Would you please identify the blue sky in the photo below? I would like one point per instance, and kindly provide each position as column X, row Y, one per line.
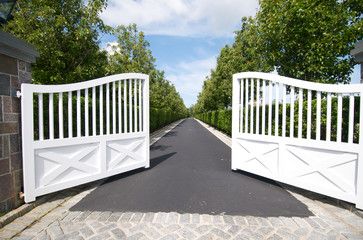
column 185, row 35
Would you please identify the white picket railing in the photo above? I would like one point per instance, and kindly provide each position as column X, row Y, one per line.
column 77, row 133
column 301, row 133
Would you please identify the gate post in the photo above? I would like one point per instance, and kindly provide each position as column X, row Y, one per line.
column 359, row 201
column 146, row 127
column 235, row 118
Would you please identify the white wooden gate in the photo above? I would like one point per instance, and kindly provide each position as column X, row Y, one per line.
column 78, row 133
column 321, row 149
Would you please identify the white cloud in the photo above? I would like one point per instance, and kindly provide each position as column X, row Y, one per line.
column 112, row 47
column 188, row 77
column 180, row 17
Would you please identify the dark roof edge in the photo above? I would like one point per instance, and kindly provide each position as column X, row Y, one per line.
column 17, row 48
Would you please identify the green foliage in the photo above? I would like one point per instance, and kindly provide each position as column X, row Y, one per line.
column 162, row 117
column 66, row 34
column 304, row 39
column 310, row 39
column 220, row 119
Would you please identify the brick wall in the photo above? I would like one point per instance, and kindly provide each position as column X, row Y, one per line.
column 13, row 72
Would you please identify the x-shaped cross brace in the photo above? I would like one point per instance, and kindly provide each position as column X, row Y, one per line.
column 259, row 156
column 123, row 153
column 322, row 167
column 66, row 162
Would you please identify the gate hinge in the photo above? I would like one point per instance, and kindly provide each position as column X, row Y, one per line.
column 18, row 94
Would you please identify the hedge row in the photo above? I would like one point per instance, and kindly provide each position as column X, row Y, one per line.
column 160, row 117
column 222, row 119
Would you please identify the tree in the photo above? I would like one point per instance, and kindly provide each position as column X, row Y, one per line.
column 66, row 34
column 242, row 55
column 132, row 54
column 310, row 39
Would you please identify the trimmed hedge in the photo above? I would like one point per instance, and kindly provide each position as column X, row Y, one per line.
column 160, row 117
column 220, row 119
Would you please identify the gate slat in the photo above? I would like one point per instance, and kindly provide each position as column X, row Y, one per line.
column 257, row 106
column 269, row 108
column 78, row 113
column 328, row 117
column 318, row 114
column 263, row 107
column 339, row 118
column 135, row 105
column 351, row 118
column 308, row 125
column 125, row 106
column 277, row 93
column 130, row 105
column 94, row 132
column 60, row 115
column 107, row 108
column 51, row 116
column 86, row 119
column 40, row 114
column 283, row 110
column 101, row 109
column 113, row 108
column 241, row 105
column 292, row 102
column 246, row 108
column 300, row 113
column 119, row 108
column 70, row 116
column 252, row 106
column 140, row 109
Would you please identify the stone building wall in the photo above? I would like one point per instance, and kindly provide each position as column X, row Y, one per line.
column 13, row 72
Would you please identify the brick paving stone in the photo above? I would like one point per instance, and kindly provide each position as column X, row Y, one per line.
column 251, row 220
column 118, row 233
column 234, row 229
column 186, row 233
column 86, row 231
column 228, row 219
column 195, row 218
column 104, row 216
column 148, row 217
column 137, row 217
column 114, row 217
column 185, row 218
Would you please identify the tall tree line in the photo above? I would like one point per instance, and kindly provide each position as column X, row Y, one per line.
column 68, row 33
column 305, row 39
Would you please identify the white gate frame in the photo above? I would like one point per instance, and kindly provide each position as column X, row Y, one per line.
column 330, row 167
column 100, row 147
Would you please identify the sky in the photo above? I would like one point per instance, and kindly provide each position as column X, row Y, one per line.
column 185, row 36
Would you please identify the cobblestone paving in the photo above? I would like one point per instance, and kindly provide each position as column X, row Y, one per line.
column 329, row 222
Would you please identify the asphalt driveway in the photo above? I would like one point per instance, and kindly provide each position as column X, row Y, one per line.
column 190, row 173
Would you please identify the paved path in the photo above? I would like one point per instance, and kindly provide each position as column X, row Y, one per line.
column 115, row 210
column 190, row 173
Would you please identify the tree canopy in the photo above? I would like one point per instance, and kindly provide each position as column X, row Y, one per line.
column 68, row 34
column 303, row 39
